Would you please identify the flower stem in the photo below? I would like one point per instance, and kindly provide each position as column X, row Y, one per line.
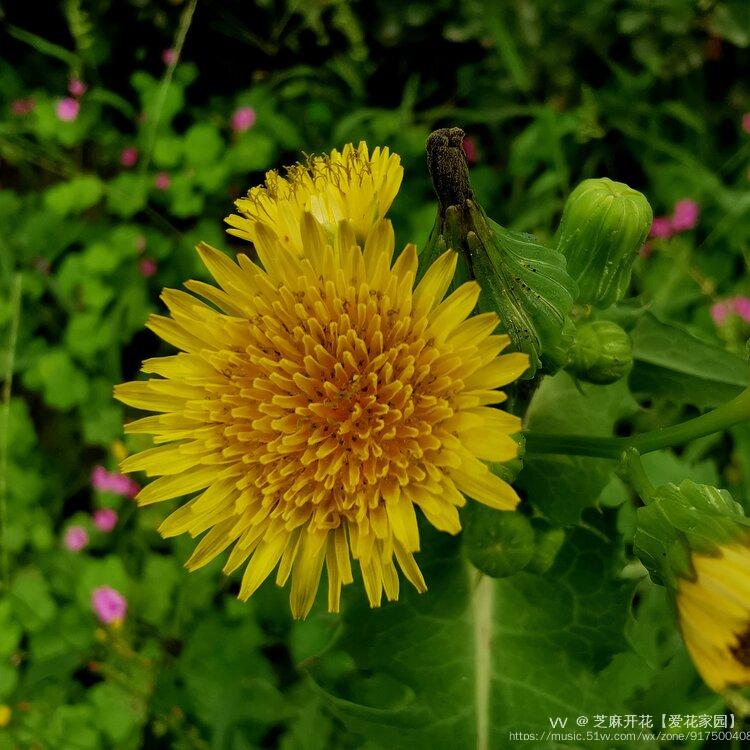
column 728, row 414
column 631, row 470
column 15, row 313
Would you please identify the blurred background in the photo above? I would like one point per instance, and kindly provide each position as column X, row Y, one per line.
column 126, row 131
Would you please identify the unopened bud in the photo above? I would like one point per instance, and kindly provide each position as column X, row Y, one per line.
column 601, row 353
column 604, row 225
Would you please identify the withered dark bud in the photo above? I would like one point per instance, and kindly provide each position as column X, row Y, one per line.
column 525, row 283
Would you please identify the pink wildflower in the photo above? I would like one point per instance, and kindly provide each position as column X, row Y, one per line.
column 76, row 538
column 662, row 227
column 470, row 149
column 746, row 122
column 162, row 181
column 742, row 308
column 105, row 519
column 76, row 87
column 122, row 485
column 168, row 56
column 109, row 605
column 129, row 156
column 147, row 267
column 685, row 215
column 20, row 107
column 67, row 109
column 119, row 484
column 243, row 119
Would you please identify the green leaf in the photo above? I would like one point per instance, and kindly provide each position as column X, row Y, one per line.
column 21, row 436
column 155, row 595
column 127, row 194
column 72, row 727
column 562, row 486
column 61, row 382
column 167, row 151
column 475, row 658
column 118, row 713
column 252, row 153
column 203, row 144
column 672, row 363
column 75, row 196
column 8, row 680
column 228, row 686
column 33, row 606
column 101, row 416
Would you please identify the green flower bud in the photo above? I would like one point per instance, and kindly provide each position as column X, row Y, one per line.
column 498, row 543
column 681, row 521
column 695, row 540
column 525, row 283
column 603, row 226
column 601, row 353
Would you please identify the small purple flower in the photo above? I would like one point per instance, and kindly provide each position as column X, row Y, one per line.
column 76, row 538
column 67, row 109
column 109, row 605
column 162, row 181
column 20, row 107
column 662, row 227
column 105, row 519
column 168, row 56
column 76, row 87
column 129, row 156
column 243, row 119
column 685, row 215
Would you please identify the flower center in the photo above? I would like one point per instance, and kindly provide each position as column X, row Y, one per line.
column 348, row 387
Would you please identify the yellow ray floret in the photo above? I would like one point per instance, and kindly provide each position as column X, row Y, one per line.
column 350, row 184
column 316, row 404
column 714, row 613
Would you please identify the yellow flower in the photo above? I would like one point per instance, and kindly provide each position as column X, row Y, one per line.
column 351, row 185
column 714, row 613
column 6, row 713
column 322, row 403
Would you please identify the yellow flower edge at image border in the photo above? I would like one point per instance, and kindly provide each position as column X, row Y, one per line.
column 714, row 615
column 316, row 404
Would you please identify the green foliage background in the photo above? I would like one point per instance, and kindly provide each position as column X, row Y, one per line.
column 649, row 93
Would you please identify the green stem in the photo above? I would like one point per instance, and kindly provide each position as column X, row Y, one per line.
column 15, row 313
column 631, row 470
column 733, row 412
